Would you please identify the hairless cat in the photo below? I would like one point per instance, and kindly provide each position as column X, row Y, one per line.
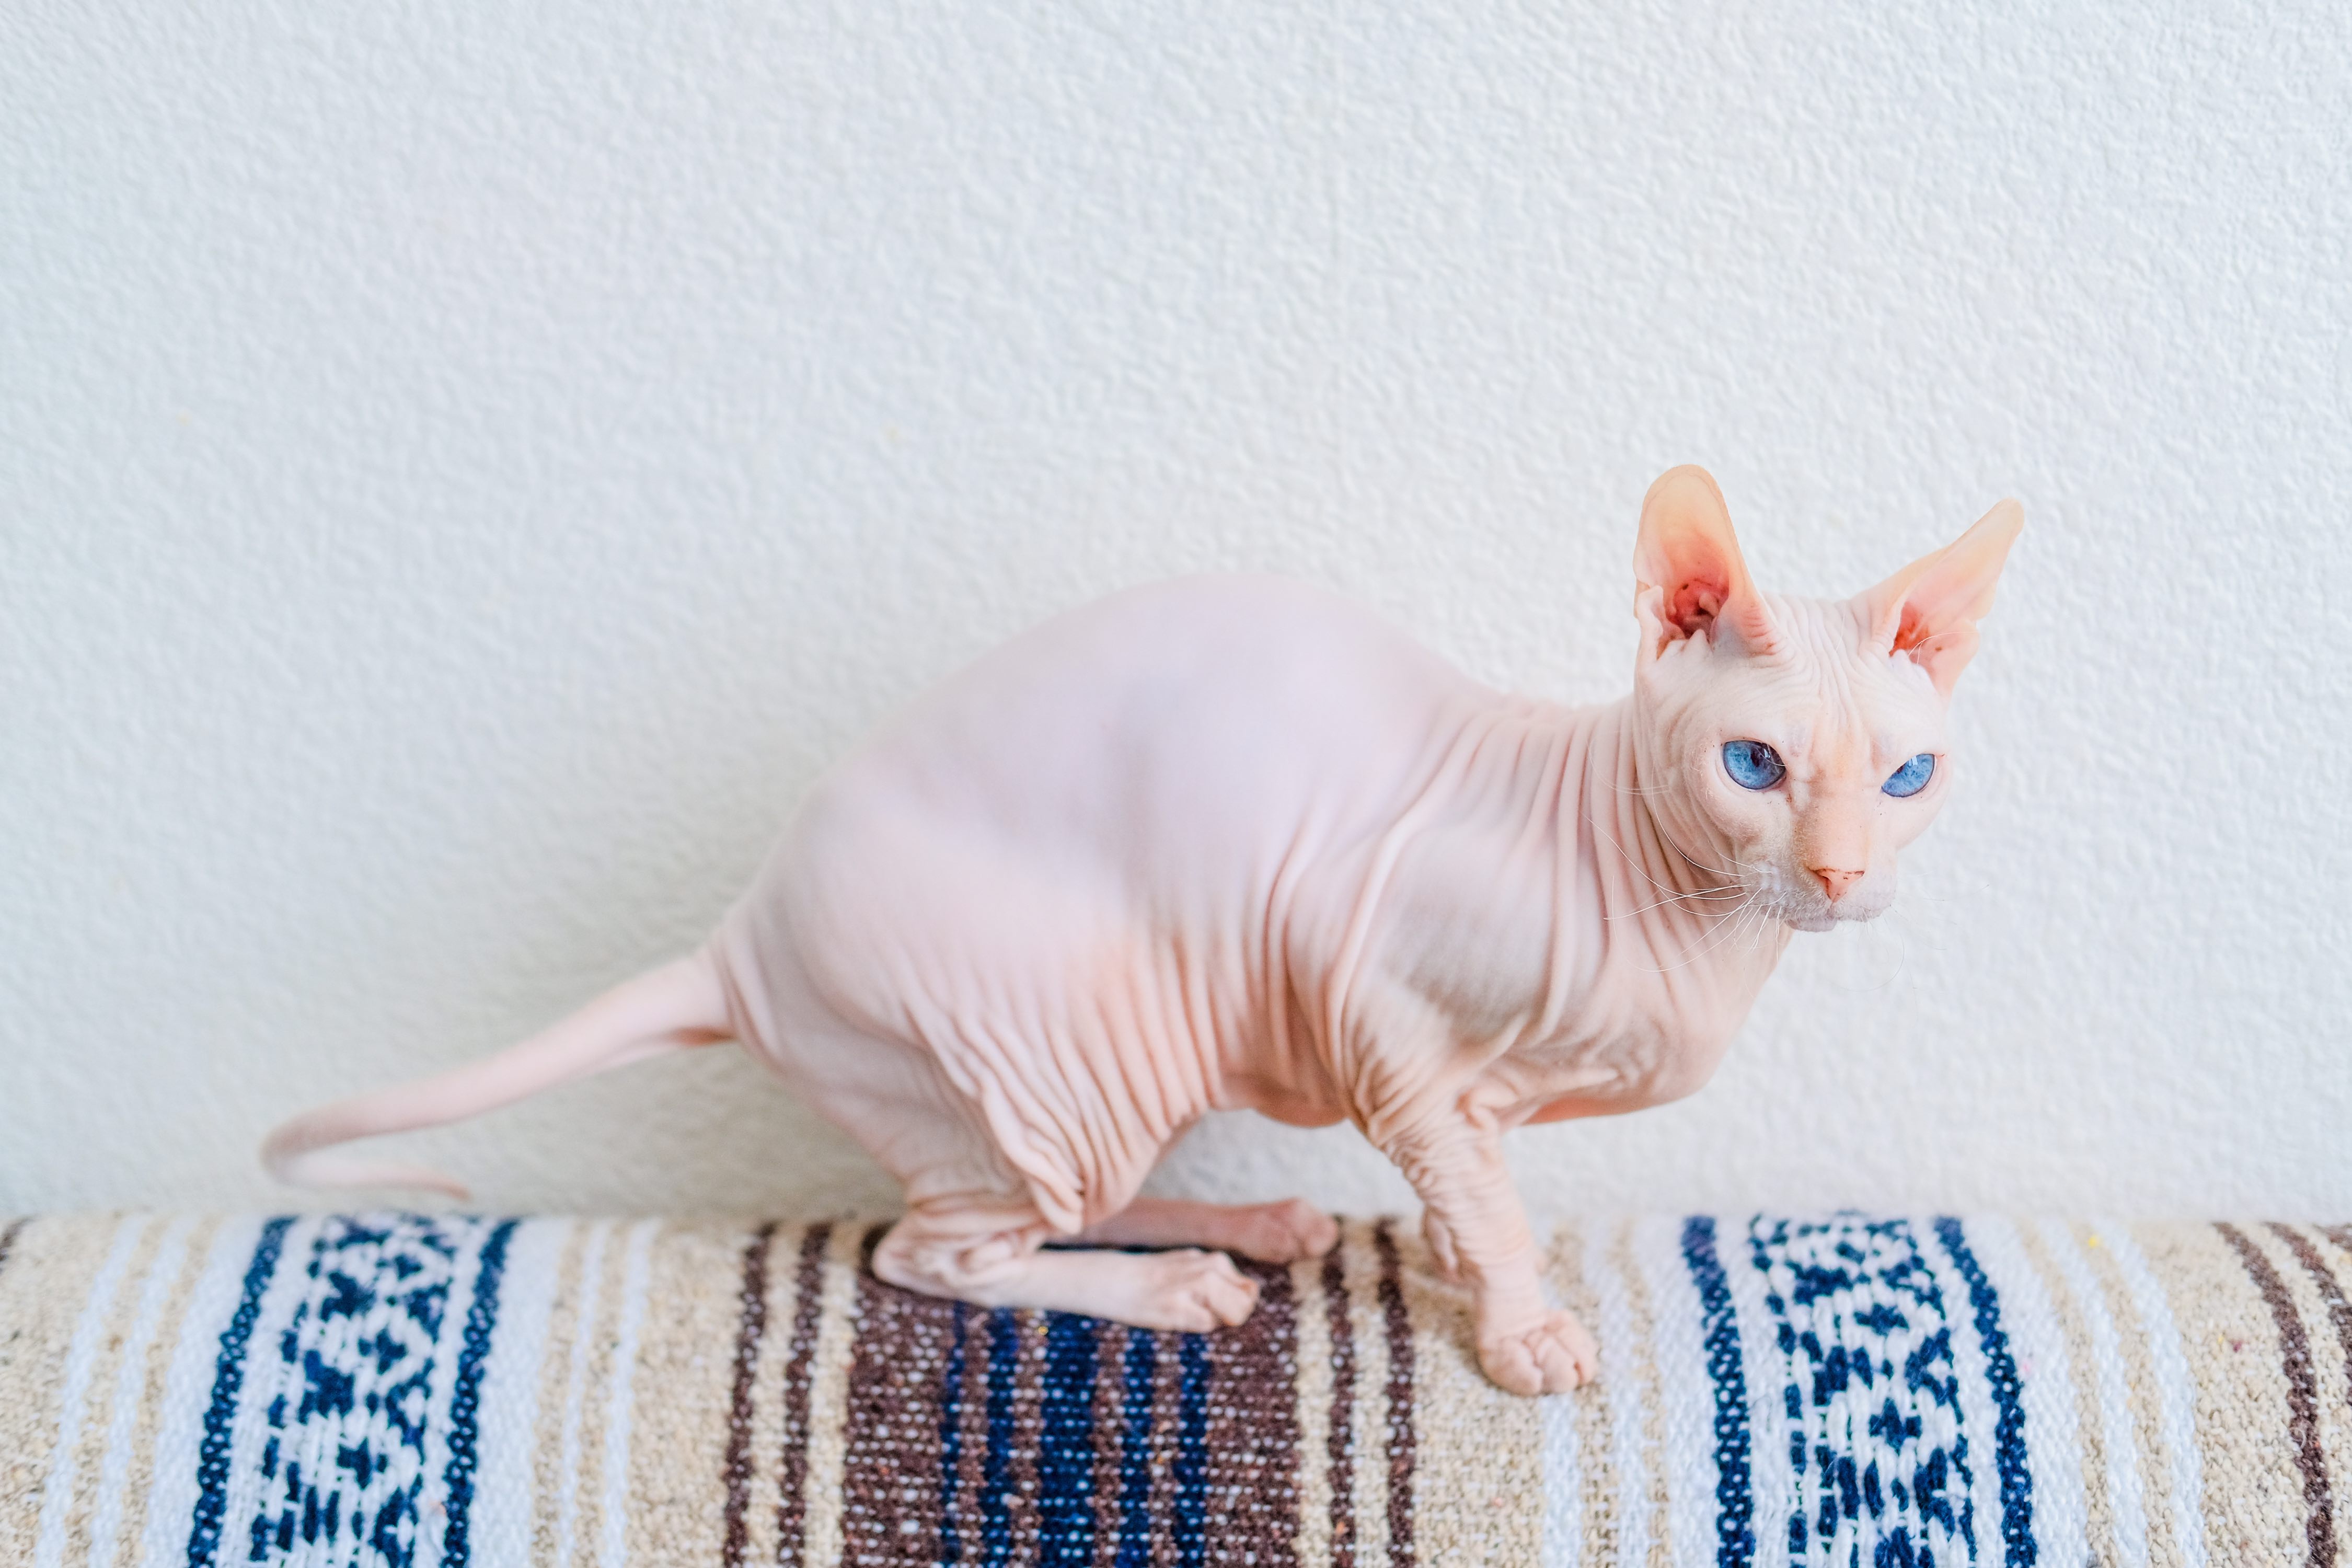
column 1235, row 842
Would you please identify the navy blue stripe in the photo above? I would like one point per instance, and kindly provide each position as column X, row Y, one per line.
column 951, row 1443
column 1065, row 1458
column 1135, row 1452
column 466, row 1400
column 2000, row 1373
column 996, row 1481
column 229, row 1380
column 1192, row 1467
column 1735, row 1497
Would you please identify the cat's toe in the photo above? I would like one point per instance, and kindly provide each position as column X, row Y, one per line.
column 1194, row 1292
column 1553, row 1355
column 1286, row 1232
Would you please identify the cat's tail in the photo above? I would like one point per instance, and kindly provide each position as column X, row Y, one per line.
column 676, row 1007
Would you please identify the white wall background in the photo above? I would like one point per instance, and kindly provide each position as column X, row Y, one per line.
column 463, row 470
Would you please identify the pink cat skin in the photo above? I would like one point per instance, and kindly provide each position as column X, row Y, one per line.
column 1235, row 842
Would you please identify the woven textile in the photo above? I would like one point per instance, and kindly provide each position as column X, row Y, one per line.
column 406, row 1389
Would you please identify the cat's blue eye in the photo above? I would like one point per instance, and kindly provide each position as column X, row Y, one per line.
column 1911, row 777
column 1752, row 764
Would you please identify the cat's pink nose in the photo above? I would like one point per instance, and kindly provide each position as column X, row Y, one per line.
column 1836, row 883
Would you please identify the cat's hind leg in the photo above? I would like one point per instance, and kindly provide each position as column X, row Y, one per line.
column 1281, row 1232
column 989, row 1250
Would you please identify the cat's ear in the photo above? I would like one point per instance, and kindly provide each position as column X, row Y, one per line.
column 1689, row 578
column 1929, row 610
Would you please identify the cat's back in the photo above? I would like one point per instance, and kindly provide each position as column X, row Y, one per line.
column 1174, row 741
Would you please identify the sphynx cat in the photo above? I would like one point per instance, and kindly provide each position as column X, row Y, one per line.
column 1235, row 842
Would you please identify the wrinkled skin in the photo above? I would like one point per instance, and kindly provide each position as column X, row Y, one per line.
column 1234, row 843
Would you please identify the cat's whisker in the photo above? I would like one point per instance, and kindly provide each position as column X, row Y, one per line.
column 1732, row 874
column 1703, row 895
column 1691, row 859
column 1631, row 864
column 1736, row 918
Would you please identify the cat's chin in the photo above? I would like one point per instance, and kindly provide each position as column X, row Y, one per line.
column 1819, row 921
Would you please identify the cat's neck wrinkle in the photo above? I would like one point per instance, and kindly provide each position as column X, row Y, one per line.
column 1665, row 908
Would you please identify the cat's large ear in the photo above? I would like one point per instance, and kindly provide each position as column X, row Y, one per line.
column 1929, row 610
column 1689, row 578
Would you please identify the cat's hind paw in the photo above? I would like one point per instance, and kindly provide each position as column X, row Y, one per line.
column 1286, row 1232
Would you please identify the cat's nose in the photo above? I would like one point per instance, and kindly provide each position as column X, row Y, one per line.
column 1834, row 883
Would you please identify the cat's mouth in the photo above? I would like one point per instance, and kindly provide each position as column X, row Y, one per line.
column 1820, row 915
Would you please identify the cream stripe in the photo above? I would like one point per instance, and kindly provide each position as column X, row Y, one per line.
column 1563, row 1470
column 1626, row 1372
column 113, row 1367
column 1685, row 1392
column 575, row 1391
column 508, row 1496
column 829, row 1398
column 1370, row 1445
column 564, row 1328
column 196, row 1359
column 1644, row 1321
column 130, row 1384
column 1314, row 1385
column 1478, row 1461
column 595, row 1437
column 2107, row 1390
column 768, row 1381
column 679, row 1432
column 140, row 1478
column 618, row 1411
column 2176, row 1397
column 2252, row 1495
column 1602, row 1501
column 81, row 1358
column 2140, row 1392
column 2090, row 1429
column 2060, row 1521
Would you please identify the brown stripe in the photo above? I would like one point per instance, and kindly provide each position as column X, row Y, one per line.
column 1253, row 1430
column 808, row 1290
column 1400, row 1399
column 1021, row 1521
column 2302, row 1396
column 971, row 1450
column 1110, row 1428
column 891, row 1464
column 747, row 1334
column 2339, row 1309
column 8, row 1237
column 1340, row 1444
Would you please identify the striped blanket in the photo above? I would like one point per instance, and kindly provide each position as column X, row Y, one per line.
column 403, row 1389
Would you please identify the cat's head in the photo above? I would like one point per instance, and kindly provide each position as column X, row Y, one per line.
column 1790, row 747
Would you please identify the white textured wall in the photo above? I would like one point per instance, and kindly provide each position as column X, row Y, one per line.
column 463, row 469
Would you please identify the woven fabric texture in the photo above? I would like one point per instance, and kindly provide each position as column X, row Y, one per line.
column 400, row 1389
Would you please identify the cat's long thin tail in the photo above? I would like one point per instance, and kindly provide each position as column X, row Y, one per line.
column 676, row 1007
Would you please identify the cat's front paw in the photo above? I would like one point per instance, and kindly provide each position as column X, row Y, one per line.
column 1192, row 1292
column 1553, row 1355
